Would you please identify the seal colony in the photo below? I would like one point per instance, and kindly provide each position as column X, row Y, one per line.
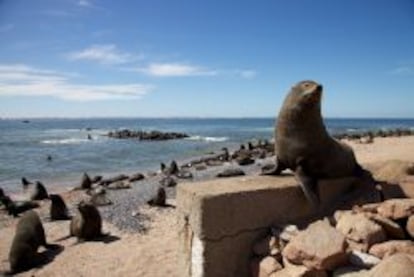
column 303, row 144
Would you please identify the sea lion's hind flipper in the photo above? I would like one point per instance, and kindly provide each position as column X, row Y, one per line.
column 309, row 186
column 275, row 170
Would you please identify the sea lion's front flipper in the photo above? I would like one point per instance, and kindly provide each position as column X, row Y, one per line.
column 275, row 170
column 308, row 185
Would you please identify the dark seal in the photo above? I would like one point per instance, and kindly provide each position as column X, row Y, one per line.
column 29, row 236
column 87, row 223
column 303, row 144
column 58, row 208
column 39, row 192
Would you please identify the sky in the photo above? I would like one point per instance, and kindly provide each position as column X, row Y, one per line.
column 193, row 58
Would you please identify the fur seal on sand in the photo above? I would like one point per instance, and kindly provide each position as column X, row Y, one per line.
column 159, row 199
column 87, row 223
column 304, row 145
column 39, row 192
column 25, row 183
column 29, row 236
column 58, row 209
column 17, row 207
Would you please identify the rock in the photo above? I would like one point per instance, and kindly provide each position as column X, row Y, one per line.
column 267, row 246
column 392, row 229
column 214, row 163
column 319, row 247
column 168, row 182
column 264, row 267
column 364, row 260
column 141, row 135
column 231, row 172
column 86, row 182
column 292, row 270
column 136, row 177
column 286, row 233
column 370, row 208
column 395, row 266
column 360, row 232
column 410, row 226
column 350, row 271
column 392, row 247
column 396, row 208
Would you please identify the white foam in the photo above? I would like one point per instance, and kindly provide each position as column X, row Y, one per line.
column 209, row 139
column 65, row 141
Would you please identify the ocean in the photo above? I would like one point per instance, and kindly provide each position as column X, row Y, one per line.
column 24, row 146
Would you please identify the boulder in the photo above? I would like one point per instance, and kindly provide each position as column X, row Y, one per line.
column 410, row 226
column 392, row 247
column 244, row 160
column 362, row 260
column 396, row 208
column 360, row 232
column 292, row 270
column 265, row 267
column 398, row 265
column 319, row 247
column 267, row 246
column 231, row 172
column 349, row 271
column 392, row 229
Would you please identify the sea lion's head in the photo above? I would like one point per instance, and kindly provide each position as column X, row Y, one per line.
column 306, row 93
column 85, row 207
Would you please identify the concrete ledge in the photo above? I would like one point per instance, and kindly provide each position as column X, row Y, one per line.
column 220, row 219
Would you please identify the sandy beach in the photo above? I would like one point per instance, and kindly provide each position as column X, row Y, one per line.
column 148, row 246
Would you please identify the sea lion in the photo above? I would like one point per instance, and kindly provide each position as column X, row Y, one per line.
column 29, row 236
column 17, row 207
column 303, row 144
column 99, row 197
column 25, row 183
column 58, row 209
column 39, row 192
column 86, row 182
column 159, row 199
column 87, row 223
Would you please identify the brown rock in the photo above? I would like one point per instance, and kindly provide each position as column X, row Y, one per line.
column 360, row 232
column 410, row 226
column 398, row 265
column 350, row 271
column 397, row 208
column 319, row 247
column 267, row 246
column 392, row 229
column 392, row 247
column 264, row 267
column 392, row 171
column 292, row 270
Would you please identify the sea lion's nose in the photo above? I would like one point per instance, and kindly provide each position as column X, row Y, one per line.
column 319, row 87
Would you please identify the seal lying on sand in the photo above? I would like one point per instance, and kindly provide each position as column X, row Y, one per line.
column 29, row 236
column 303, row 144
column 17, row 207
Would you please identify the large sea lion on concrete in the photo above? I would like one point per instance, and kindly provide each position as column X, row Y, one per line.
column 303, row 144
column 29, row 236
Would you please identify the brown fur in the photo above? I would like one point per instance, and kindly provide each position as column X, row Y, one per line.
column 58, row 209
column 87, row 223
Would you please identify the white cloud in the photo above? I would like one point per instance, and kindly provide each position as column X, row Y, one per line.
column 85, row 3
column 246, row 74
column 24, row 80
column 174, row 70
column 104, row 53
column 403, row 70
column 7, row 27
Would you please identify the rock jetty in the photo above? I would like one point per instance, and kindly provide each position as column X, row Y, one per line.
column 142, row 135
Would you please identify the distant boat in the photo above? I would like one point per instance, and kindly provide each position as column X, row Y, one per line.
column 26, row 121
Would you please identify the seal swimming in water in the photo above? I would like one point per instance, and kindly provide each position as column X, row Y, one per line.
column 58, row 209
column 303, row 144
column 87, row 223
column 29, row 236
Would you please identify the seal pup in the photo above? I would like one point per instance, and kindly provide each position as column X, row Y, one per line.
column 29, row 236
column 58, row 208
column 39, row 192
column 87, row 223
column 304, row 145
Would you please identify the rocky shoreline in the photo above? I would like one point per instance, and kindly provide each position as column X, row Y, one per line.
column 142, row 135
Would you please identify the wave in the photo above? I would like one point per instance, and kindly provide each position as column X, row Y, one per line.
column 209, row 139
column 66, row 141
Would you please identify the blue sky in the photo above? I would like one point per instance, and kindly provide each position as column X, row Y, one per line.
column 86, row 58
